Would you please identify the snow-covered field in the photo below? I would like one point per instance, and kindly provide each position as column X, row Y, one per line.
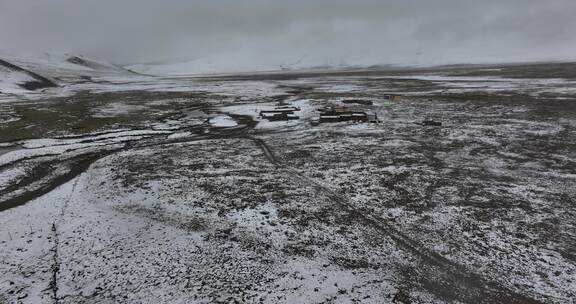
column 137, row 189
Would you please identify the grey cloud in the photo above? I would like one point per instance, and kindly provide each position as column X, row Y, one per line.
column 263, row 33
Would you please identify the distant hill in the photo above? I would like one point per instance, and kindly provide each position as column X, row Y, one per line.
column 97, row 65
column 15, row 79
column 24, row 73
column 56, row 65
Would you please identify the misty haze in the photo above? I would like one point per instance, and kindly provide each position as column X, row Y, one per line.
column 259, row 151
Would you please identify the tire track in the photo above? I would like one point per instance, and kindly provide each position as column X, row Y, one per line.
column 438, row 272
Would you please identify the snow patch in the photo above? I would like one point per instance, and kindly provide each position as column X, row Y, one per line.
column 222, row 121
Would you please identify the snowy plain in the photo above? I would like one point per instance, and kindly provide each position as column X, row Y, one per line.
column 176, row 190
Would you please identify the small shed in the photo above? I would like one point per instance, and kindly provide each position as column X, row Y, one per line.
column 280, row 113
column 372, row 118
column 279, row 116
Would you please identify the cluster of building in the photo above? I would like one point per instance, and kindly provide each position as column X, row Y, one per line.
column 328, row 114
column 341, row 114
column 280, row 113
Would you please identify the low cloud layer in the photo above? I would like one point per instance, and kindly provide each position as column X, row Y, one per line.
column 260, row 34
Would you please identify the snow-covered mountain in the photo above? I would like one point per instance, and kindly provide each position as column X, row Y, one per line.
column 20, row 73
column 197, row 67
column 227, row 63
column 63, row 65
column 15, row 79
column 95, row 65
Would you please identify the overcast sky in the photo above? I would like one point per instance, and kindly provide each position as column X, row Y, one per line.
column 263, row 33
